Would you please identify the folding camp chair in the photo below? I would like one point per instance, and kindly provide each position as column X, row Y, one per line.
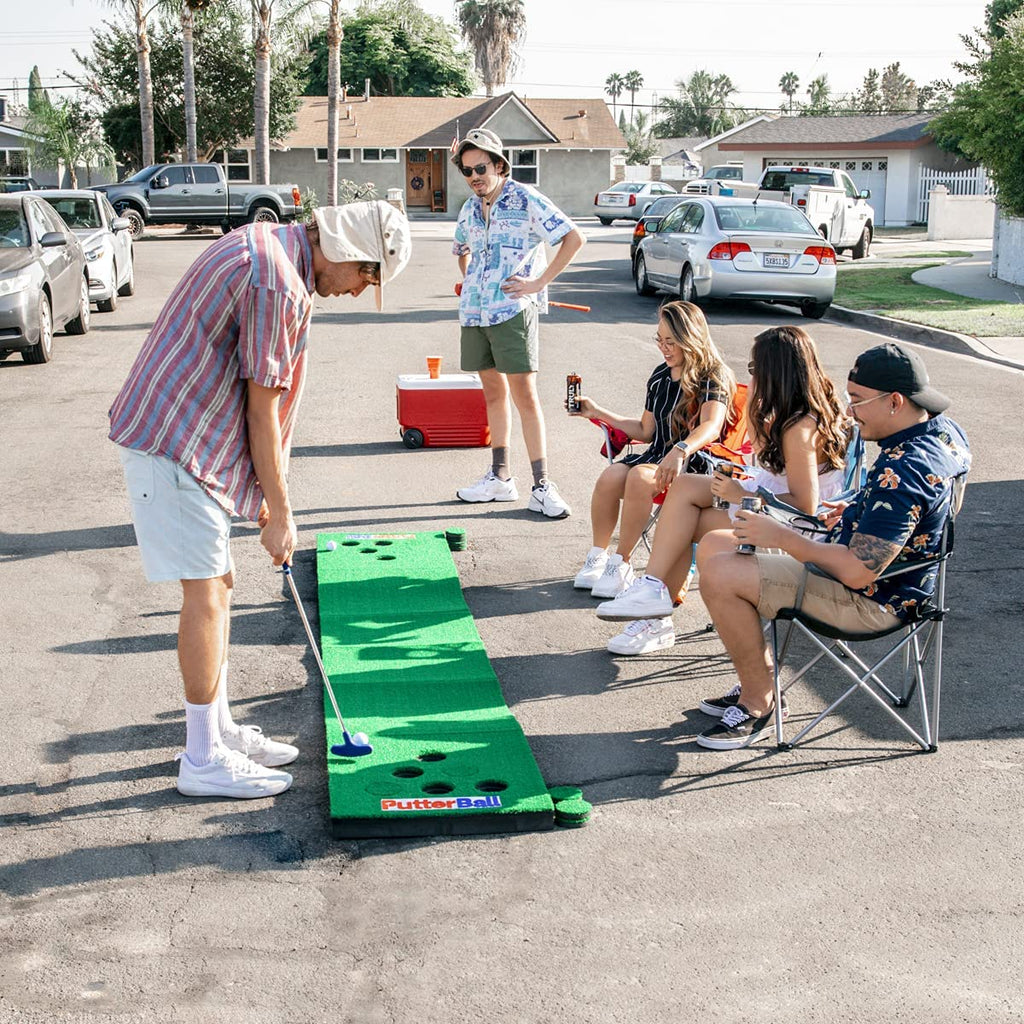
column 915, row 640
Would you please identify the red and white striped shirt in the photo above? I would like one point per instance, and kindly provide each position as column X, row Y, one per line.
column 240, row 313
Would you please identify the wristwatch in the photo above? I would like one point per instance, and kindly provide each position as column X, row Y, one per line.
column 681, row 445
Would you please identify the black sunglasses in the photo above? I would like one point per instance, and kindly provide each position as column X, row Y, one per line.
column 468, row 172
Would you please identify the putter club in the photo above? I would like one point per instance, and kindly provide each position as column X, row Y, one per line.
column 351, row 747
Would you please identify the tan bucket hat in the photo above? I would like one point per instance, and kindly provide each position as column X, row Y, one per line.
column 367, row 232
column 479, row 138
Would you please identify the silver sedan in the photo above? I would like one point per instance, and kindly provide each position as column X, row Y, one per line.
column 730, row 248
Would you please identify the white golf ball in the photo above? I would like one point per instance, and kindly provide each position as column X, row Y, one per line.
column 361, row 739
column 331, row 545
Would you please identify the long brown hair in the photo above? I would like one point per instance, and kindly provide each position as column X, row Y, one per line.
column 689, row 330
column 788, row 384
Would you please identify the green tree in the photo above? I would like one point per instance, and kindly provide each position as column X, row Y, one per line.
column 933, row 96
column 640, row 142
column 37, row 95
column 224, row 90
column 700, row 108
column 402, row 50
column 494, row 30
column 899, row 91
column 997, row 12
column 868, row 99
column 614, row 84
column 140, row 12
column 788, row 84
column 985, row 118
column 819, row 98
column 634, row 82
column 68, row 133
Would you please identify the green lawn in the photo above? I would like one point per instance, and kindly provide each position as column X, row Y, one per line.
column 891, row 292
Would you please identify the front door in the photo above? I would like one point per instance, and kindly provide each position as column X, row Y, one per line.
column 417, row 177
column 438, row 166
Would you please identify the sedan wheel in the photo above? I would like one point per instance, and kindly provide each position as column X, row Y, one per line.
column 605, row 220
column 814, row 310
column 80, row 325
column 687, row 291
column 42, row 350
column 643, row 286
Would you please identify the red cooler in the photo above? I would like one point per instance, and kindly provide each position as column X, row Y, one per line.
column 447, row 411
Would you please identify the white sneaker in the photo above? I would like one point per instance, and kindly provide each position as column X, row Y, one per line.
column 545, row 498
column 249, row 740
column 592, row 569
column 617, row 576
column 230, row 773
column 647, row 598
column 489, row 488
column 643, row 636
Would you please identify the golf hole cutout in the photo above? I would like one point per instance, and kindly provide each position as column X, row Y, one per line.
column 432, row 755
column 438, row 788
column 350, row 543
column 492, row 786
column 383, row 543
column 411, row 772
column 385, row 558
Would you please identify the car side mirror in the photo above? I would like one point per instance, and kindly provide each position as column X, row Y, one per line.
column 160, row 181
column 120, row 224
column 52, row 239
column 865, row 193
column 652, row 226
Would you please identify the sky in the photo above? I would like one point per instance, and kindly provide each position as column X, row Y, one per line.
column 571, row 46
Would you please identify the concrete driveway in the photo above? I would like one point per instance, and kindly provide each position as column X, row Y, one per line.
column 850, row 881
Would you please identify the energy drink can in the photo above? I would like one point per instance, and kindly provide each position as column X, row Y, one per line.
column 726, row 469
column 749, row 504
column 573, row 390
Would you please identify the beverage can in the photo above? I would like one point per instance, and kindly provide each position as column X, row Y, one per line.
column 749, row 504
column 726, row 469
column 573, row 390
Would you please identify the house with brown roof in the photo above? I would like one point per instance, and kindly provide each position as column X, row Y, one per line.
column 563, row 146
column 891, row 154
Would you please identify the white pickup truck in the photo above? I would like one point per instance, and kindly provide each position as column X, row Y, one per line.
column 832, row 203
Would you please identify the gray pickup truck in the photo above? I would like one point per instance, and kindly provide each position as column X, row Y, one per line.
column 197, row 194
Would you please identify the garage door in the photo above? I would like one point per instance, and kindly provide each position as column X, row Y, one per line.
column 866, row 172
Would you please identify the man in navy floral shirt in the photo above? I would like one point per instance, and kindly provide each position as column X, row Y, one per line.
column 499, row 242
column 896, row 518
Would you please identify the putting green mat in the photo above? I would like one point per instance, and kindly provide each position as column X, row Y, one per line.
column 409, row 669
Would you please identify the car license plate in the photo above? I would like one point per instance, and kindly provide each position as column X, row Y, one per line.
column 776, row 259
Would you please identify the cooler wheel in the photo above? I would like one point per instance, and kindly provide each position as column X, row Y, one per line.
column 412, row 438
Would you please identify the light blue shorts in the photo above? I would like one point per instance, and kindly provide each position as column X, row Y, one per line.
column 183, row 534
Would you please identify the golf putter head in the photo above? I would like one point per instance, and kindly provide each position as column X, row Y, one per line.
column 351, row 747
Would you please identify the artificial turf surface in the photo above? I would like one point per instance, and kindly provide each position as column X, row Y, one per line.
column 408, row 668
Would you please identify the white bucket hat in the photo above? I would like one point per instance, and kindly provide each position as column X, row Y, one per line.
column 479, row 138
column 367, row 232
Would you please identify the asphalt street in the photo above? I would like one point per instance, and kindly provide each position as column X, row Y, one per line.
column 852, row 880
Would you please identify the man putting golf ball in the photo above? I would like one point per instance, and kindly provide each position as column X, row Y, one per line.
column 204, row 423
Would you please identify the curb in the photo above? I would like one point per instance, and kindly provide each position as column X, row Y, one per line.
column 934, row 337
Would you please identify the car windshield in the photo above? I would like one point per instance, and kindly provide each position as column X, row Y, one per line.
column 145, row 174
column 721, row 173
column 763, row 218
column 780, row 181
column 77, row 213
column 626, row 186
column 13, row 230
column 15, row 185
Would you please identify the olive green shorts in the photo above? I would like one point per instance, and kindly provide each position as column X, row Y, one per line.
column 509, row 347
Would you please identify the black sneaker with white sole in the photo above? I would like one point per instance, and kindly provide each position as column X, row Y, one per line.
column 717, row 706
column 738, row 728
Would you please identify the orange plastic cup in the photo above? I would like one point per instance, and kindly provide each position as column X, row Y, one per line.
column 434, row 367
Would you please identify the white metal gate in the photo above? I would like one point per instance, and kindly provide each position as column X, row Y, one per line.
column 972, row 182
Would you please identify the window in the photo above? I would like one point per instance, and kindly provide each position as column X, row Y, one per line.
column 344, row 155
column 851, row 165
column 38, row 220
column 883, row 165
column 380, row 156
column 108, row 210
column 176, row 174
column 693, row 220
column 13, row 161
column 205, row 175
column 848, row 187
column 675, row 218
column 866, row 165
column 235, row 163
column 524, row 166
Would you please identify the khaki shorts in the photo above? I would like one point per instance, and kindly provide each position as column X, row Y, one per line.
column 509, row 347
column 824, row 599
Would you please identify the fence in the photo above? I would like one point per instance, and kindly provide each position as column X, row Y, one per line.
column 972, row 182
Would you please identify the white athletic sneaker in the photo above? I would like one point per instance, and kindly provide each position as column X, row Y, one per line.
column 544, row 498
column 249, row 740
column 617, row 575
column 643, row 636
column 489, row 488
column 647, row 598
column 592, row 569
column 230, row 773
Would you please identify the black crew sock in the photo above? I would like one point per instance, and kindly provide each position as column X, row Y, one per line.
column 499, row 463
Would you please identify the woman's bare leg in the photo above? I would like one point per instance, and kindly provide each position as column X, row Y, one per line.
column 636, row 507
column 604, row 502
column 708, row 520
column 677, row 524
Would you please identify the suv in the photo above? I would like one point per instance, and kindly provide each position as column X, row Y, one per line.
column 723, row 173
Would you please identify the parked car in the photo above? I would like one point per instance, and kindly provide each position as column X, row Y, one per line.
column 719, row 174
column 17, row 183
column 732, row 248
column 44, row 283
column 106, row 239
column 198, row 194
column 628, row 199
column 653, row 213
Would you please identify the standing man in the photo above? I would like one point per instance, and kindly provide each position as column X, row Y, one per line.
column 499, row 242
column 204, row 423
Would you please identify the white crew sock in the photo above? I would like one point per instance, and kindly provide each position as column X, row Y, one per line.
column 225, row 723
column 202, row 737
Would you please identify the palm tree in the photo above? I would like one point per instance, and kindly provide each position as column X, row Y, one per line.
column 335, row 34
column 140, row 12
column 494, row 29
column 67, row 133
column 700, row 108
column 262, row 23
column 633, row 81
column 789, row 83
column 613, row 85
column 188, row 9
column 818, row 96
